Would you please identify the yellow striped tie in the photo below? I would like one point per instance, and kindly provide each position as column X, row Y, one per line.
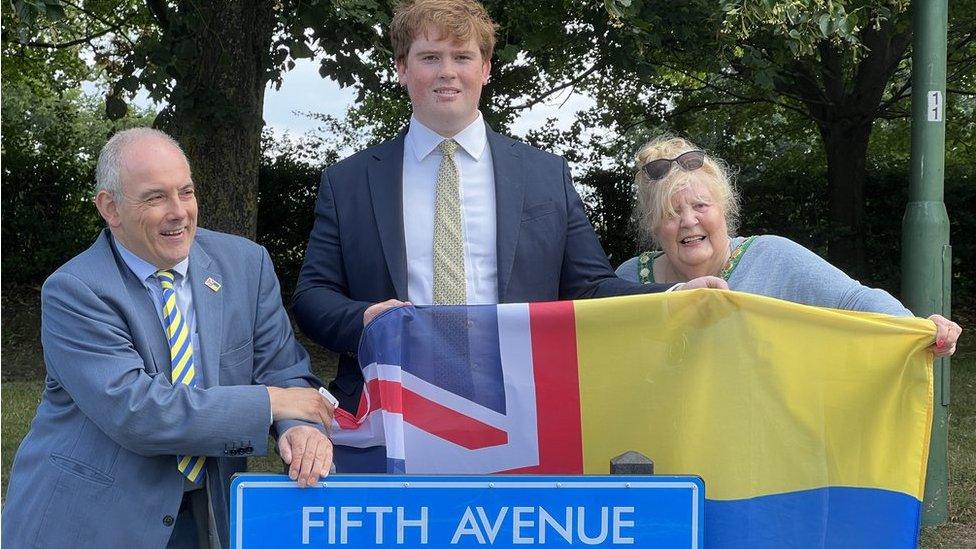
column 181, row 359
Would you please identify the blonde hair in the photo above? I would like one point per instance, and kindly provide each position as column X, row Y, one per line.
column 654, row 197
column 460, row 19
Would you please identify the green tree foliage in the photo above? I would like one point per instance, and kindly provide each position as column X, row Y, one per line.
column 290, row 170
column 543, row 49
column 728, row 75
column 784, row 89
column 841, row 65
column 46, row 187
column 210, row 62
column 51, row 138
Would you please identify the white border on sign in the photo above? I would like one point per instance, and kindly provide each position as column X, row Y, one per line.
column 239, row 534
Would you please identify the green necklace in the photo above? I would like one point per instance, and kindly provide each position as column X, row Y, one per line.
column 645, row 262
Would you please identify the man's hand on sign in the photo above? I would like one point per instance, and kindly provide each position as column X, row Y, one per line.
column 308, row 453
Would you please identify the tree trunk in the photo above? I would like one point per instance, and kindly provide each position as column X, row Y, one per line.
column 846, row 145
column 216, row 108
column 845, row 109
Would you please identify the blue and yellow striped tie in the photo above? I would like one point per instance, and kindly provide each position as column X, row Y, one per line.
column 181, row 359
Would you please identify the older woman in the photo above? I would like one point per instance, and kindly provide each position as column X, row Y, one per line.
column 689, row 209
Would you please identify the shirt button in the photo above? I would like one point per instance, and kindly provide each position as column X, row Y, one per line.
column 168, row 520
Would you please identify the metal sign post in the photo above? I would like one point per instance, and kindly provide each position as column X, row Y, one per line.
column 926, row 256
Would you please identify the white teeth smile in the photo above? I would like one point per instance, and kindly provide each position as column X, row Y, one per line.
column 691, row 239
column 447, row 92
column 172, row 233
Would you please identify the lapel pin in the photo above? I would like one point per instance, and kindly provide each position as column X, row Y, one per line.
column 212, row 284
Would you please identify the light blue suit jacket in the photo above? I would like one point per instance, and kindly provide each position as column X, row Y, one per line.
column 98, row 466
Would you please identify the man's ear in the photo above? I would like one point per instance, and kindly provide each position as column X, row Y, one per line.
column 108, row 208
column 401, row 68
column 486, row 72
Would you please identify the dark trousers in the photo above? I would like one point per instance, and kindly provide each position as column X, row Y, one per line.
column 191, row 529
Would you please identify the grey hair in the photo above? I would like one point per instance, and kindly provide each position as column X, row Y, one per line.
column 110, row 158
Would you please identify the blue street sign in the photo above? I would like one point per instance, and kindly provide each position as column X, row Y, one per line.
column 270, row 511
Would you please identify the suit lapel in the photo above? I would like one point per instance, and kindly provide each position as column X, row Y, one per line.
column 509, row 194
column 208, row 305
column 146, row 326
column 385, row 175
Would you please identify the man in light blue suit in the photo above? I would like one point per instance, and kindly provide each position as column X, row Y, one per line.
column 169, row 357
column 448, row 212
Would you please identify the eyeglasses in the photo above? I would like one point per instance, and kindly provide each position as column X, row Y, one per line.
column 657, row 169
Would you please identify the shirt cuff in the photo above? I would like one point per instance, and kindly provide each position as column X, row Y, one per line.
column 270, row 409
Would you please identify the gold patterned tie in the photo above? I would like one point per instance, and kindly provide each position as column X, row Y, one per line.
column 449, row 282
column 181, row 357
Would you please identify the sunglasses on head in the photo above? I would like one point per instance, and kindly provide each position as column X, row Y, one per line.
column 657, row 169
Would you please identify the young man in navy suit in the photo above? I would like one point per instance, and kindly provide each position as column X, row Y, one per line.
column 448, row 211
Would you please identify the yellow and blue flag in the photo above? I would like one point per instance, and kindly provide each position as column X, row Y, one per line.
column 809, row 426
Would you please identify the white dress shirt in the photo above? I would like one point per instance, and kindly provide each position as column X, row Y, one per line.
column 421, row 161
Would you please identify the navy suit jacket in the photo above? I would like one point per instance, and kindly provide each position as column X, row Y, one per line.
column 356, row 255
column 98, row 466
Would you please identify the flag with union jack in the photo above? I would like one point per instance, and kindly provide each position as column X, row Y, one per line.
column 471, row 387
column 790, row 414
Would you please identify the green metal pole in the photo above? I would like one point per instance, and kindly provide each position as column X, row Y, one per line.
column 926, row 255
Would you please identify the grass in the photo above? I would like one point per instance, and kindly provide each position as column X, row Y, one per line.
column 19, row 400
column 960, row 530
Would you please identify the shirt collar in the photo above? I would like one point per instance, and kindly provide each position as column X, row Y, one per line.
column 473, row 139
column 143, row 269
